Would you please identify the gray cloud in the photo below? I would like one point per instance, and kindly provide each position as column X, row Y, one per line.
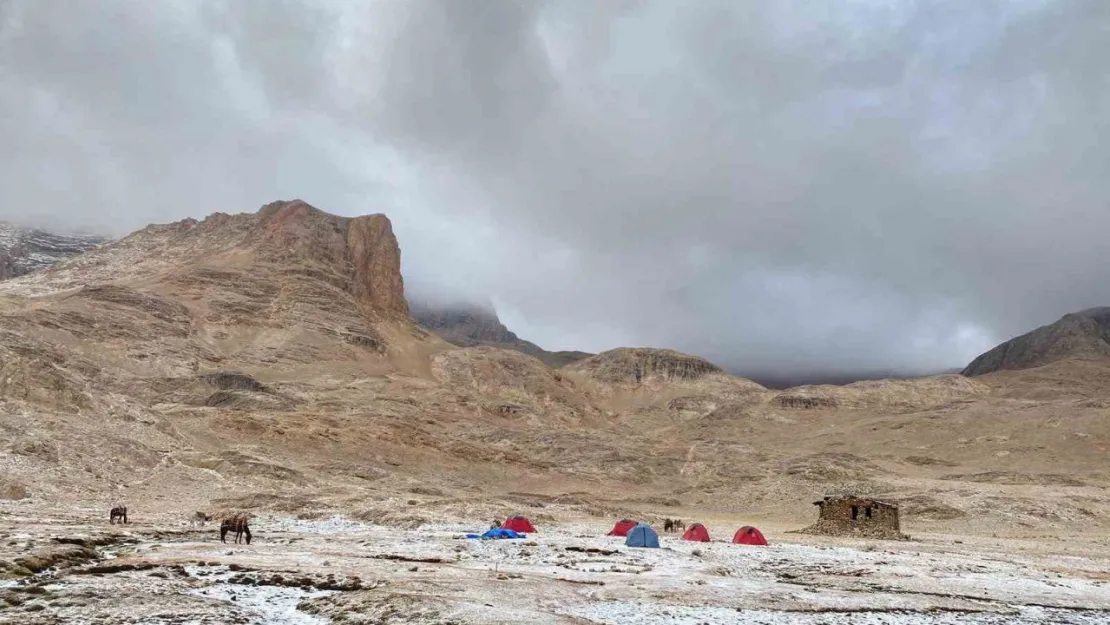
column 780, row 187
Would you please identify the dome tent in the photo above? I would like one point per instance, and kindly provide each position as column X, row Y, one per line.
column 748, row 535
column 622, row 527
column 696, row 533
column 519, row 524
column 642, row 536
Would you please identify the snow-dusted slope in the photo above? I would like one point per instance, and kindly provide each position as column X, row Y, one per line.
column 24, row 250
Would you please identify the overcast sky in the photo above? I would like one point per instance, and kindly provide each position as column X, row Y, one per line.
column 778, row 186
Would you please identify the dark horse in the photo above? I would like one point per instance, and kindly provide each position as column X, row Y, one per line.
column 237, row 525
column 119, row 512
column 673, row 525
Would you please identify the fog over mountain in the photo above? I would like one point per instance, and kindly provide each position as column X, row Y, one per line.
column 779, row 187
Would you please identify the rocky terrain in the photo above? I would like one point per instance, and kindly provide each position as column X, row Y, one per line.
column 268, row 363
column 23, row 250
column 470, row 325
column 335, row 570
column 1085, row 334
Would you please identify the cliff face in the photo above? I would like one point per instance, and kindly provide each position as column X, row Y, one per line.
column 23, row 250
column 1085, row 334
column 472, row 325
column 377, row 264
column 363, row 249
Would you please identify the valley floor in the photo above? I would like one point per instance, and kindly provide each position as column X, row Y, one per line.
column 338, row 571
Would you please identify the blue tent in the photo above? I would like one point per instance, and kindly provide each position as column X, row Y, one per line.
column 497, row 532
column 642, row 536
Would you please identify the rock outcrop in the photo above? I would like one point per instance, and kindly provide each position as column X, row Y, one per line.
column 472, row 325
column 1084, row 334
column 640, row 365
column 23, row 250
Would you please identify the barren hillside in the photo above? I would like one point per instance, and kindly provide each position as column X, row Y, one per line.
column 1085, row 334
column 267, row 361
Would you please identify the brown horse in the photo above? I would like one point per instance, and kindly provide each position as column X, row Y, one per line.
column 237, row 525
column 673, row 525
column 119, row 512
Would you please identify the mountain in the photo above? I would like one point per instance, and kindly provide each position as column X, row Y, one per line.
column 1085, row 334
column 469, row 325
column 23, row 250
column 269, row 362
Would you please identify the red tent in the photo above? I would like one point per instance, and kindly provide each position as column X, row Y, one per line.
column 697, row 533
column 748, row 535
column 519, row 524
column 622, row 527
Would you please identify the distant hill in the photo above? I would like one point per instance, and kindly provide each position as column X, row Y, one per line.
column 1085, row 334
column 23, row 250
column 474, row 325
column 785, row 380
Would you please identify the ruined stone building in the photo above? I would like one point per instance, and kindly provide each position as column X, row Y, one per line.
column 848, row 515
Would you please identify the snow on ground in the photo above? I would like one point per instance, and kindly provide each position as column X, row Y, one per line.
column 656, row 614
column 269, row 604
column 574, row 574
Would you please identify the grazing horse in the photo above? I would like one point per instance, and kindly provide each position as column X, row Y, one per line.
column 119, row 512
column 237, row 525
column 201, row 518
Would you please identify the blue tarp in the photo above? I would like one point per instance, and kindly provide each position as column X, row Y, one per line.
column 642, row 536
column 497, row 532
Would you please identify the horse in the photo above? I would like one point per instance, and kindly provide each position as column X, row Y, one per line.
column 119, row 512
column 496, row 524
column 673, row 525
column 201, row 518
column 237, row 525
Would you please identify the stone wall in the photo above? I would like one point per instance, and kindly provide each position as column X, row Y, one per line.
column 857, row 516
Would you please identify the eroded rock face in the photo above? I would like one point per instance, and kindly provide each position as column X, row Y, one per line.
column 365, row 246
column 637, row 365
column 376, row 257
column 802, row 402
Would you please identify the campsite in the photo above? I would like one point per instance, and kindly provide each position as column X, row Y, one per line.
column 335, row 570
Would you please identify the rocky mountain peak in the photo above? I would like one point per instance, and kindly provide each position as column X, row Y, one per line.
column 289, row 250
column 465, row 323
column 471, row 324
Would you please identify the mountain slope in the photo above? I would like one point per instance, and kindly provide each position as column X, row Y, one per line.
column 1085, row 334
column 23, row 250
column 468, row 325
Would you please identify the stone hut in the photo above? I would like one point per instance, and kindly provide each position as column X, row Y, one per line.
column 848, row 515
